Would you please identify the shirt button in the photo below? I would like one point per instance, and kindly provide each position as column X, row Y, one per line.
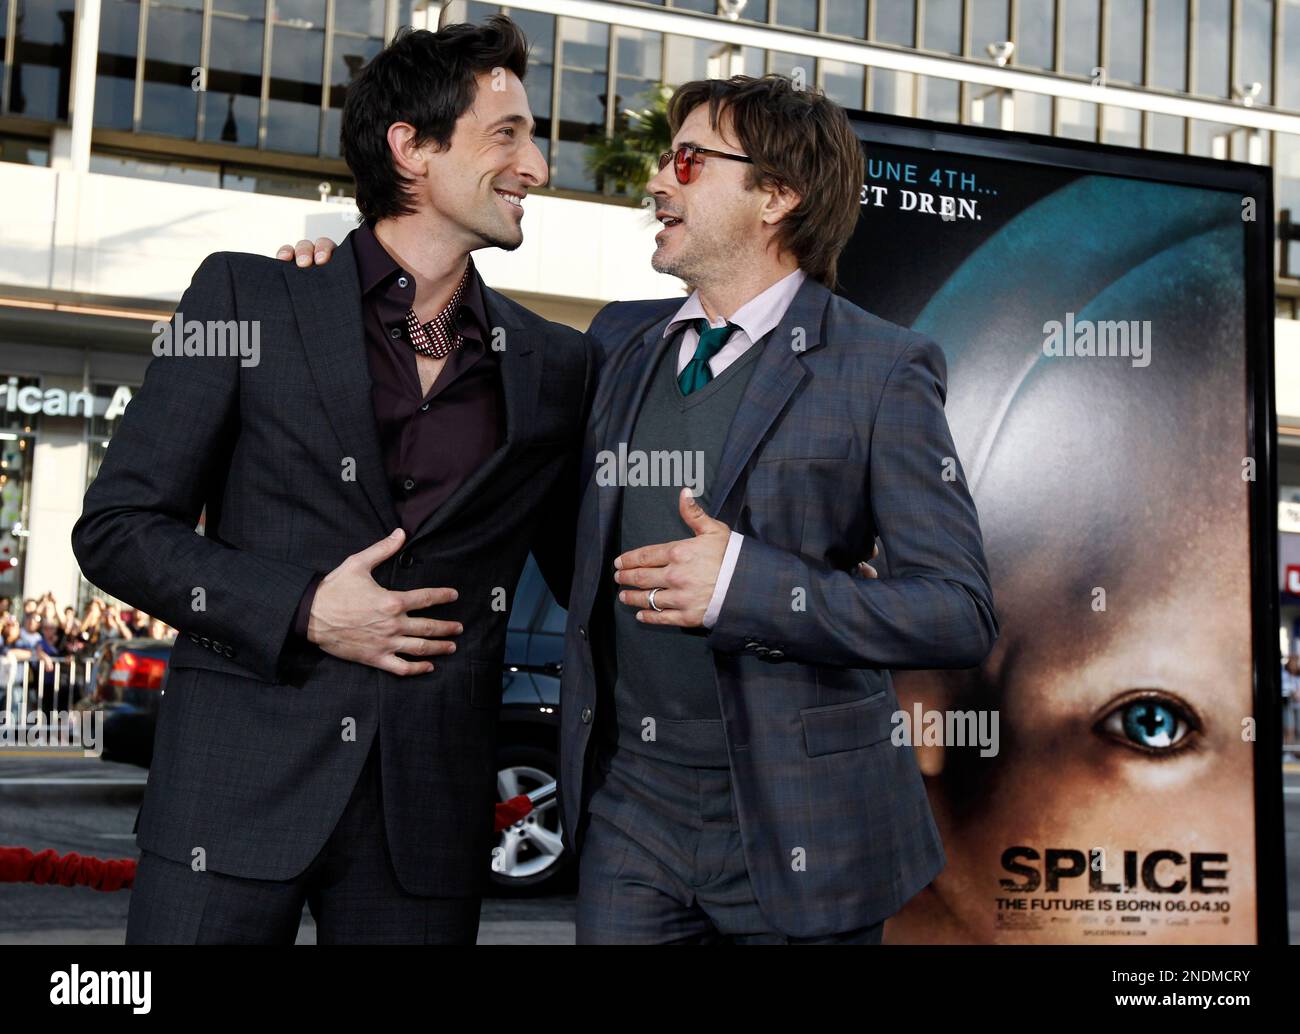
column 586, row 716
column 395, row 332
column 424, row 407
column 402, row 281
column 408, row 484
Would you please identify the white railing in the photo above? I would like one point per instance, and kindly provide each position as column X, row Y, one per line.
column 36, row 692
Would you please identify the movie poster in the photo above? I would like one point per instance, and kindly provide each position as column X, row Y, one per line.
column 1095, row 329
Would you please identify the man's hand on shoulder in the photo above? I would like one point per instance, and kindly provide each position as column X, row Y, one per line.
column 304, row 253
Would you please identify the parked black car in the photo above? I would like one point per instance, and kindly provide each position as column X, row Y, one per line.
column 128, row 676
column 125, row 682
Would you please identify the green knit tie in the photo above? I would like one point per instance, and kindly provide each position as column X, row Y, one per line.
column 697, row 372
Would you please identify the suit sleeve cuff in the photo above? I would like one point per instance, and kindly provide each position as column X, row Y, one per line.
column 729, row 559
column 303, row 613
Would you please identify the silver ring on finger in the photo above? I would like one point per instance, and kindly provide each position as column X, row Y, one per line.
column 651, row 599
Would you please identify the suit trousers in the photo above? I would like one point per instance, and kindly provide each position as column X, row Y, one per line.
column 662, row 861
column 350, row 887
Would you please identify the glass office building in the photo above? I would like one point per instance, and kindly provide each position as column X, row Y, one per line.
column 247, row 94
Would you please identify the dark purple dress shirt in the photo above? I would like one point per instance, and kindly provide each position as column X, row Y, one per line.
column 430, row 444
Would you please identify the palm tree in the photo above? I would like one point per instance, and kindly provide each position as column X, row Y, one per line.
column 625, row 162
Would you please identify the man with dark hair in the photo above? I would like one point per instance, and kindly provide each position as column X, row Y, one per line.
column 373, row 483
column 727, row 770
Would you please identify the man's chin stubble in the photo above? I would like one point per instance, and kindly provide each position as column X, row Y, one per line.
column 504, row 245
column 669, row 268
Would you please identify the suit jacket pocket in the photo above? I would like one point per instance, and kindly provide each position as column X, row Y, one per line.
column 797, row 446
column 847, row 726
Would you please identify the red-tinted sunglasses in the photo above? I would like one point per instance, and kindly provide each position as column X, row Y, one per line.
column 685, row 160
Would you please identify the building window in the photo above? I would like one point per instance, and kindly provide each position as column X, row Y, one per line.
column 42, row 59
column 989, row 24
column 942, row 28
column 1168, row 45
column 297, row 61
column 939, row 99
column 893, row 93
column 1033, row 112
column 1224, row 140
column 1125, row 33
column 895, row 22
column 358, row 36
column 796, row 67
column 1166, row 132
column 539, row 84
column 584, row 79
column 1210, row 59
column 1255, row 48
column 1082, row 36
column 638, row 59
column 847, row 18
column 119, row 33
column 1077, row 120
column 1035, row 40
column 233, row 89
column 686, row 59
column 794, row 14
column 1287, row 168
column 843, row 82
column 1289, row 56
column 1122, row 126
column 173, row 37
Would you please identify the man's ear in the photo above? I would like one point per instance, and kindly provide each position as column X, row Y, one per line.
column 779, row 203
column 410, row 157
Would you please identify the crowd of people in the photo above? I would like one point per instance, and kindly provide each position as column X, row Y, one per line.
column 41, row 637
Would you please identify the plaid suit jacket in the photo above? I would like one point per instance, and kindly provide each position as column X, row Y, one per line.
column 262, row 736
column 841, row 437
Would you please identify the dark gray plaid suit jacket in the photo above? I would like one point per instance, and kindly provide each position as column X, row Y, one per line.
column 251, row 762
column 840, row 437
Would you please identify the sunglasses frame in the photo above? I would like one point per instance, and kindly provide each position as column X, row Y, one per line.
column 685, row 156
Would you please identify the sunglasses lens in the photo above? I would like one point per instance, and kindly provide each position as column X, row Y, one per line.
column 664, row 159
column 685, row 161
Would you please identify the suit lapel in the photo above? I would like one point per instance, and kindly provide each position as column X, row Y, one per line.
column 327, row 304
column 520, row 383
column 778, row 371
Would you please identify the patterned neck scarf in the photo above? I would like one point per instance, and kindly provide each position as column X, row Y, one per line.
column 439, row 337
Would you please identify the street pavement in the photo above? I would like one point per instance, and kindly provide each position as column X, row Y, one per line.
column 89, row 805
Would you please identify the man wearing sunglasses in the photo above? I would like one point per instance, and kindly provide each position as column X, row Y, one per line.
column 727, row 770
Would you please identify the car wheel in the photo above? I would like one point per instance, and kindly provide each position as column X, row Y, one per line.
column 530, row 855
